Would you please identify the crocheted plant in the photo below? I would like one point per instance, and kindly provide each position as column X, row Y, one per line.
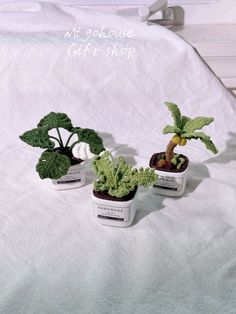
column 57, row 158
column 118, row 178
column 184, row 129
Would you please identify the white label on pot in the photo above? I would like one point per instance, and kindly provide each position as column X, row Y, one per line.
column 112, row 212
column 74, row 174
column 169, row 183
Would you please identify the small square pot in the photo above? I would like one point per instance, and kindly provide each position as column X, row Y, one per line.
column 114, row 213
column 169, row 183
column 74, row 178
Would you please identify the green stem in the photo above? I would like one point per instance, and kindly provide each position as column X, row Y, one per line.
column 56, row 139
column 59, row 135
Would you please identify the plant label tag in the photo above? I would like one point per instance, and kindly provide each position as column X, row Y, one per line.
column 169, row 183
column 111, row 212
column 75, row 174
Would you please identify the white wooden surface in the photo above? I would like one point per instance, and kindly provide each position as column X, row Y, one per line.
column 217, row 45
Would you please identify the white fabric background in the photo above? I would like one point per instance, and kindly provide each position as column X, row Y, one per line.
column 179, row 256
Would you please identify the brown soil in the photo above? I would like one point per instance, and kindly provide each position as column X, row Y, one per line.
column 168, row 167
column 104, row 195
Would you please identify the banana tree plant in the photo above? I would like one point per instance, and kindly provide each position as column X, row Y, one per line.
column 185, row 129
column 58, row 157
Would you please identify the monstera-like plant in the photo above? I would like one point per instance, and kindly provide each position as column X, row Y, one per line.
column 116, row 187
column 184, row 129
column 58, row 157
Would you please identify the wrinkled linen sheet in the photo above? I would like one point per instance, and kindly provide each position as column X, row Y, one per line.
column 179, row 256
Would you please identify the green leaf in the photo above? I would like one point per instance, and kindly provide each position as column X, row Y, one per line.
column 171, row 129
column 119, row 178
column 37, row 138
column 52, row 165
column 175, row 112
column 197, row 124
column 184, row 120
column 56, row 120
column 203, row 138
column 90, row 137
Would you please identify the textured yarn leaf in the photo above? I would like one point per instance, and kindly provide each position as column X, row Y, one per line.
column 203, row 138
column 197, row 124
column 184, row 120
column 171, row 129
column 175, row 112
column 90, row 137
column 37, row 138
column 55, row 120
column 118, row 178
column 53, row 165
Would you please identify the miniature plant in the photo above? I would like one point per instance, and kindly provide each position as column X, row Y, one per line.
column 57, row 158
column 118, row 178
column 184, row 129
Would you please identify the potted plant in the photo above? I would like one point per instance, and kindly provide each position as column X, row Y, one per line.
column 64, row 163
column 172, row 168
column 115, row 189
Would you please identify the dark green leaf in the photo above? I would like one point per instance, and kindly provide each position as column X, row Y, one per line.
column 90, row 137
column 56, row 120
column 52, row 165
column 37, row 138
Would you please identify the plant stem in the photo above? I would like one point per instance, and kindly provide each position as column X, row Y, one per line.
column 69, row 138
column 72, row 146
column 59, row 135
column 170, row 151
column 56, row 139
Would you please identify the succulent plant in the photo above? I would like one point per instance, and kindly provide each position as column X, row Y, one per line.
column 184, row 129
column 118, row 178
column 56, row 160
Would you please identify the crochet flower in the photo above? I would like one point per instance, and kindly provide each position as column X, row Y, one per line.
column 82, row 151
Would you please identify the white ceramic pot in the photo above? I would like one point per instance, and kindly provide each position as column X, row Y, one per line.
column 170, row 183
column 114, row 213
column 74, row 178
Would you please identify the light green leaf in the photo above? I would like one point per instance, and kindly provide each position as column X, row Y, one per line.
column 55, row 120
column 197, row 124
column 203, row 138
column 175, row 112
column 90, row 137
column 184, row 120
column 37, row 138
column 52, row 165
column 171, row 129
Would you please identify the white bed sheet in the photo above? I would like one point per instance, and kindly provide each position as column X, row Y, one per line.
column 179, row 257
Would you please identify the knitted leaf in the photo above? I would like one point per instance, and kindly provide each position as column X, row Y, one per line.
column 203, row 138
column 37, row 138
column 55, row 120
column 175, row 112
column 184, row 120
column 90, row 137
column 118, row 178
column 52, row 165
column 171, row 129
column 197, row 124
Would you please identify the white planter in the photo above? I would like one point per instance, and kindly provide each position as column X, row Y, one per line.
column 170, row 183
column 74, row 178
column 114, row 213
